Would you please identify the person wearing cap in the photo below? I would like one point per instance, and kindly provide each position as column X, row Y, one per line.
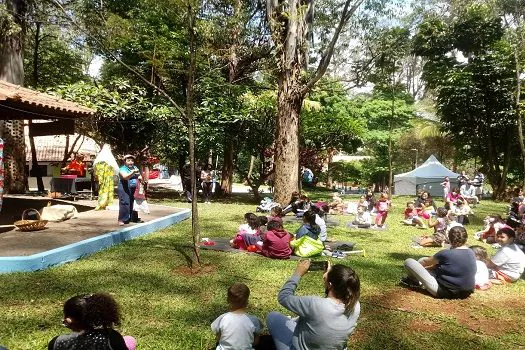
column 129, row 176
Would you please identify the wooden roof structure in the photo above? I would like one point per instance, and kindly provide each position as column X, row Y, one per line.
column 17, row 102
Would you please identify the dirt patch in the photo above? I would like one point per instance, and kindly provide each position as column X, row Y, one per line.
column 203, row 270
column 423, row 326
column 465, row 312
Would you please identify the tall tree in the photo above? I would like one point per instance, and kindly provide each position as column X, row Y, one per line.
column 290, row 24
column 12, row 33
column 475, row 95
column 240, row 43
column 513, row 13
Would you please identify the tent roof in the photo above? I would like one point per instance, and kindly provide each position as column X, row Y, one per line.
column 17, row 102
column 430, row 168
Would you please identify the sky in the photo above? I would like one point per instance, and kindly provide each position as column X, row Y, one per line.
column 94, row 66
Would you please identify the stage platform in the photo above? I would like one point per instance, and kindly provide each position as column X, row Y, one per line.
column 70, row 240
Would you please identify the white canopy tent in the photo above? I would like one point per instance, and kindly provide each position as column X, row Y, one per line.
column 427, row 177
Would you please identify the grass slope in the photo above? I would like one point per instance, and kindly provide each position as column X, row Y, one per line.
column 166, row 309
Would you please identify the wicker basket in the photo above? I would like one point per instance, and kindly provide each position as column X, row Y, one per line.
column 30, row 225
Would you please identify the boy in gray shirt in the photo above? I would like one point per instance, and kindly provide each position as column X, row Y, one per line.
column 237, row 330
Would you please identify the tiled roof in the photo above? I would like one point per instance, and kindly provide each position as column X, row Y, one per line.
column 48, row 103
column 51, row 148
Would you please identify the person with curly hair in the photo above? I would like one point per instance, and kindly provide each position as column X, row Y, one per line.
column 449, row 274
column 92, row 318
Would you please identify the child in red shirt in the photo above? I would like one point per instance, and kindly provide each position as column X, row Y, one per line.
column 276, row 241
column 413, row 216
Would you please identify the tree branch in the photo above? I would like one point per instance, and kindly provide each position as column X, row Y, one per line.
column 116, row 58
column 327, row 56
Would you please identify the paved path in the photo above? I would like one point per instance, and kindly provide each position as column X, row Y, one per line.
column 56, row 234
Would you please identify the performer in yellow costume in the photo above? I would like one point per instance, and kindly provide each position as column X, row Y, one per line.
column 105, row 168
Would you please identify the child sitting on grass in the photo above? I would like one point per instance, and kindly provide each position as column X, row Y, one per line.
column 439, row 238
column 263, row 221
column 482, row 272
column 412, row 216
column 309, row 227
column 336, row 205
column 92, row 318
column 462, row 211
column 276, row 214
column 507, row 265
column 237, row 329
column 362, row 218
column 249, row 228
column 493, row 223
column 319, row 221
column 276, row 241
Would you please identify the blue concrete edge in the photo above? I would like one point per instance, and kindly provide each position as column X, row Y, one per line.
column 88, row 246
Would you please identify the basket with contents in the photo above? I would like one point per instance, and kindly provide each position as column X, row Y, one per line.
column 30, row 225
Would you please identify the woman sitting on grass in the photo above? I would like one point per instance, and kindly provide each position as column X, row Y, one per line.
column 449, row 274
column 323, row 323
column 452, row 198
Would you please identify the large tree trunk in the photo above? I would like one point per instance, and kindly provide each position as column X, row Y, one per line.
column 288, row 22
column 287, row 138
column 191, row 136
column 12, row 70
column 228, row 164
column 518, row 112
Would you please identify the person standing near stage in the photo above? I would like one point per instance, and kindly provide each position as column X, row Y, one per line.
column 129, row 176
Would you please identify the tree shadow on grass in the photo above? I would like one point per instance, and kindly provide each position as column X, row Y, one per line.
column 159, row 195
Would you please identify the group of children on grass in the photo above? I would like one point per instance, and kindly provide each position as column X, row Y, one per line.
column 266, row 235
column 505, row 266
column 92, row 317
column 371, row 213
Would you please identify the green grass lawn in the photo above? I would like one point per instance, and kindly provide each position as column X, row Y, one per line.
column 166, row 308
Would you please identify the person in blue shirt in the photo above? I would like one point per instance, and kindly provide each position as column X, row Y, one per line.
column 129, row 176
column 309, row 227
